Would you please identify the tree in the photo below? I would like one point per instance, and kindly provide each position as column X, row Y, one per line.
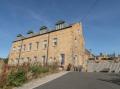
column 5, row 60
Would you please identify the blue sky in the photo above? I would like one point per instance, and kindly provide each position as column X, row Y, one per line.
column 100, row 19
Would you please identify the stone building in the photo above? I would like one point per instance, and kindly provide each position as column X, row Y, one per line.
column 64, row 44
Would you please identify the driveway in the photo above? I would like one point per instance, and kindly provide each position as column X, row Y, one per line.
column 79, row 80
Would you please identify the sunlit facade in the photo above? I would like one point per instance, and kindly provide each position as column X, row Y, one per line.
column 64, row 45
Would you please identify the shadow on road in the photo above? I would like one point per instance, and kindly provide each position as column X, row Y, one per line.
column 115, row 80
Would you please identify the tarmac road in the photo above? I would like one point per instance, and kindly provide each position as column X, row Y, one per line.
column 79, row 80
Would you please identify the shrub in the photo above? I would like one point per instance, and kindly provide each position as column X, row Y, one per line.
column 36, row 70
column 53, row 67
column 16, row 78
column 44, row 69
column 3, row 80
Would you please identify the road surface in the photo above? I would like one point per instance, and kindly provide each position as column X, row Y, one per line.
column 79, row 80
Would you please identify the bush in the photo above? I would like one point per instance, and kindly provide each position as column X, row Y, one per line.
column 44, row 69
column 36, row 70
column 54, row 66
column 3, row 80
column 16, row 78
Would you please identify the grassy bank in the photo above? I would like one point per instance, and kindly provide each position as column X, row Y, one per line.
column 14, row 76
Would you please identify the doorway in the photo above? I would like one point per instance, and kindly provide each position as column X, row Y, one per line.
column 62, row 59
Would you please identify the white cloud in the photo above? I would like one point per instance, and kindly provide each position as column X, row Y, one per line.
column 39, row 17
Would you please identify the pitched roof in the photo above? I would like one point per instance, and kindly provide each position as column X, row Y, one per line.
column 38, row 34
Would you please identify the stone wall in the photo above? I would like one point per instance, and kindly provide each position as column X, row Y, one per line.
column 110, row 65
column 70, row 42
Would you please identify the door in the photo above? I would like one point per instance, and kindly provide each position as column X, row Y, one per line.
column 62, row 59
column 43, row 60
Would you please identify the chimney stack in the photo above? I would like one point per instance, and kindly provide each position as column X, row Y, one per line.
column 43, row 29
column 60, row 24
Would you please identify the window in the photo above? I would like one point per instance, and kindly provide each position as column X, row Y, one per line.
column 19, row 48
column 24, row 47
column 79, row 32
column 17, row 60
column 14, row 48
column 75, row 60
column 35, row 58
column 55, row 42
column 43, row 60
column 45, row 44
column 37, row 43
column 30, row 46
column 22, row 59
column 28, row 58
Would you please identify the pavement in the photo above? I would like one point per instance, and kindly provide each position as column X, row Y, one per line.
column 79, row 80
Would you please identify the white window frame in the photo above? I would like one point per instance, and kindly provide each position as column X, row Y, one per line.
column 30, row 47
column 45, row 44
column 55, row 42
